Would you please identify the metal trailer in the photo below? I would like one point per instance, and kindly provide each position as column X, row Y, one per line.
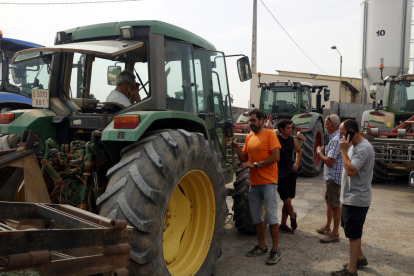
column 25, row 250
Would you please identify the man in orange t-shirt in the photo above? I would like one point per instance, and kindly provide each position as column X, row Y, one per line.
column 261, row 154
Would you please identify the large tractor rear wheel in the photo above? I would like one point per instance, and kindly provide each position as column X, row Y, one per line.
column 311, row 162
column 242, row 217
column 170, row 187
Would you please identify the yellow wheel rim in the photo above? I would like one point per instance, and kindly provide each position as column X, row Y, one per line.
column 189, row 224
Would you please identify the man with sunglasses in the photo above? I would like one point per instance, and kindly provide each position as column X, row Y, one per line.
column 332, row 174
column 260, row 153
column 126, row 91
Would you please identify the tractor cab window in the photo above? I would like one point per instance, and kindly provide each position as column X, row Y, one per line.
column 222, row 105
column 279, row 100
column 212, row 88
column 306, row 104
column 30, row 74
column 402, row 97
column 180, row 79
column 94, row 77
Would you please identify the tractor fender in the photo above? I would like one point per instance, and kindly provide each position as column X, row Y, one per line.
column 307, row 122
column 115, row 140
column 12, row 101
column 39, row 120
column 384, row 122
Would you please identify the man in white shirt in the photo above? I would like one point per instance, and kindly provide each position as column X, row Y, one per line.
column 126, row 91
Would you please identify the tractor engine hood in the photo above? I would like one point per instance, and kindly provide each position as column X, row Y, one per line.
column 383, row 120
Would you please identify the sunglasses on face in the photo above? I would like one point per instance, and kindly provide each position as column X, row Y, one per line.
column 329, row 119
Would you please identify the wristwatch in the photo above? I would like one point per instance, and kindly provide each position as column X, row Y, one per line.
column 255, row 164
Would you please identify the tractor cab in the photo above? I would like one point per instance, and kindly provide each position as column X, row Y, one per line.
column 398, row 105
column 286, row 99
column 16, row 81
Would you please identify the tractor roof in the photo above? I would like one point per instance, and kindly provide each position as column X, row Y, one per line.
column 16, row 44
column 157, row 27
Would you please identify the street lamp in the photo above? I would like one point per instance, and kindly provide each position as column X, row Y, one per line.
column 340, row 72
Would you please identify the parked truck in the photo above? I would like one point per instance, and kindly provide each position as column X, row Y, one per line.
column 160, row 164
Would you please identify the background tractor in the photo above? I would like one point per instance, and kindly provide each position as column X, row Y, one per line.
column 278, row 100
column 160, row 164
column 16, row 81
column 391, row 125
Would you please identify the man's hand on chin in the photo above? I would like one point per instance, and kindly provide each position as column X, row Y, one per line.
column 134, row 97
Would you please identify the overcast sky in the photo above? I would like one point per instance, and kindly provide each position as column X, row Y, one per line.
column 315, row 25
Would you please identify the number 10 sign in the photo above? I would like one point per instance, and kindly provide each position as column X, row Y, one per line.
column 40, row 98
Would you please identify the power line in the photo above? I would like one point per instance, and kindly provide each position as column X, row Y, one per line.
column 291, row 37
column 69, row 3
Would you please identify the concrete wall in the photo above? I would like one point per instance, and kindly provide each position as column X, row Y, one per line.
column 350, row 110
column 331, row 81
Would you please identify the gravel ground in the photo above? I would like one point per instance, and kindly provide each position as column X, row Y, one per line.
column 387, row 242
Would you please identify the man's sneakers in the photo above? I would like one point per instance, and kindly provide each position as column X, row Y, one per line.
column 329, row 238
column 360, row 263
column 344, row 272
column 257, row 251
column 323, row 231
column 293, row 222
column 286, row 229
column 274, row 257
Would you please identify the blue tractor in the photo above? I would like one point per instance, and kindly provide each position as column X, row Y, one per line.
column 17, row 81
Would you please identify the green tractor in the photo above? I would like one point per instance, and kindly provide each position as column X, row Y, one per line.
column 293, row 100
column 391, row 126
column 161, row 164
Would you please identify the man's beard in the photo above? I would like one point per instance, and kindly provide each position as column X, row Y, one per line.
column 254, row 128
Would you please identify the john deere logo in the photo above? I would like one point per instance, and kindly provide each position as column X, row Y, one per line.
column 377, row 122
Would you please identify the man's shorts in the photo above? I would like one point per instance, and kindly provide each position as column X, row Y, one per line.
column 352, row 220
column 266, row 194
column 332, row 194
column 287, row 186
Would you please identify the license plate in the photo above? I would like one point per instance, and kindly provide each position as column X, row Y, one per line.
column 40, row 98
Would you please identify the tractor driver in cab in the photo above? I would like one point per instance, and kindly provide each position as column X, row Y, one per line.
column 126, row 91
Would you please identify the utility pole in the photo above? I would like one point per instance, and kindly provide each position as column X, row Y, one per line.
column 254, row 37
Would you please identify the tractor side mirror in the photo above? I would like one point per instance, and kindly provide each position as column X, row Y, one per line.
column 113, row 72
column 243, row 66
column 326, row 94
column 411, row 180
column 373, row 92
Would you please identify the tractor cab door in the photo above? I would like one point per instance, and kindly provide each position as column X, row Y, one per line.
column 214, row 103
column 306, row 104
